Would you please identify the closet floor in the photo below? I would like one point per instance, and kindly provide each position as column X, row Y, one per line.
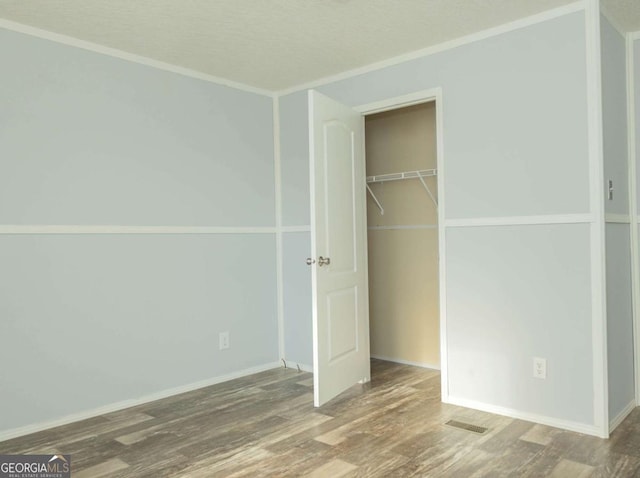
column 265, row 425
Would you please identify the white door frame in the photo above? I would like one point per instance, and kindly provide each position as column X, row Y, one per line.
column 426, row 96
column 633, row 205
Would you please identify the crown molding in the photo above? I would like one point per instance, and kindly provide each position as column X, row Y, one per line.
column 131, row 57
column 448, row 45
column 134, row 58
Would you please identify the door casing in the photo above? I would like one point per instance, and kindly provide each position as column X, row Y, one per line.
column 392, row 103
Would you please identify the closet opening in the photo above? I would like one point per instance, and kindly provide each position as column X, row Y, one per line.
column 401, row 149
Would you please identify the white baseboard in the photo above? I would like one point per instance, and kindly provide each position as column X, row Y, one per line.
column 529, row 417
column 406, row 362
column 613, row 424
column 114, row 407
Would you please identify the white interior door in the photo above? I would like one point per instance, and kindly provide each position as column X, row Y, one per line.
column 338, row 246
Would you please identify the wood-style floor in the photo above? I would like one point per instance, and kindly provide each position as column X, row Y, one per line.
column 265, row 425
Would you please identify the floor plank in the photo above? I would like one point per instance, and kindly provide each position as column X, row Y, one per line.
column 266, row 425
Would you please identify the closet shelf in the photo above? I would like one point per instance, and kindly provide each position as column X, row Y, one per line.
column 420, row 174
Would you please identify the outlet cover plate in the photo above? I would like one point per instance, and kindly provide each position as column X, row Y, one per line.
column 539, row 368
column 224, row 340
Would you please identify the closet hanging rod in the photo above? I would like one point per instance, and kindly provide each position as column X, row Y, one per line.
column 422, row 173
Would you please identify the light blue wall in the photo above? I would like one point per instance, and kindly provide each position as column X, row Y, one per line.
column 515, row 144
column 91, row 139
column 294, row 157
column 517, row 292
column 89, row 320
column 515, row 118
column 614, row 116
column 92, row 320
column 298, row 334
column 620, row 361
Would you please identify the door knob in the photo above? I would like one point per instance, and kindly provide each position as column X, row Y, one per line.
column 324, row 261
column 310, row 261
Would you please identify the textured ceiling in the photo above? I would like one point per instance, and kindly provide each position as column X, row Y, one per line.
column 273, row 44
column 626, row 13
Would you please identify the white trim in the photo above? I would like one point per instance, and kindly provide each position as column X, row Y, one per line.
column 132, row 57
column 313, row 246
column 104, row 229
column 442, row 270
column 425, row 96
column 114, row 407
column 277, row 173
column 406, row 227
column 604, row 11
column 529, row 417
column 617, row 218
column 615, row 422
column 598, row 252
column 634, row 35
column 633, row 208
column 430, row 366
column 448, row 45
column 416, row 98
column 296, row 228
column 521, row 220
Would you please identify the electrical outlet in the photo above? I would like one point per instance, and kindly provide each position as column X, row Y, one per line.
column 539, row 367
column 224, row 340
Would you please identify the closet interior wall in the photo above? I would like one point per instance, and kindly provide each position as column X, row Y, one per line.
column 403, row 242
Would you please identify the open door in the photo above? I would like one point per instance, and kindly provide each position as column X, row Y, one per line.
column 338, row 248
